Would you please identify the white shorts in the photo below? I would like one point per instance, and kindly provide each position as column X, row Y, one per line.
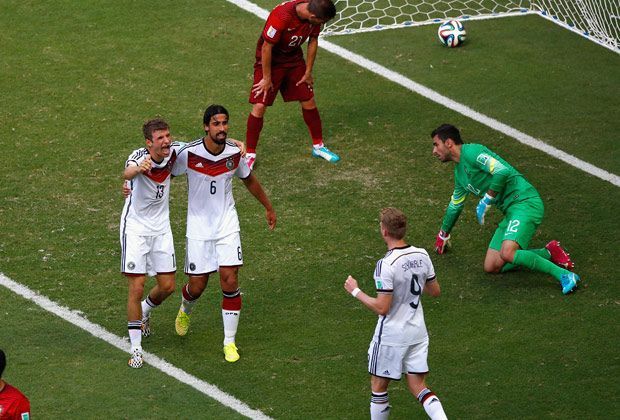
column 392, row 361
column 150, row 255
column 205, row 257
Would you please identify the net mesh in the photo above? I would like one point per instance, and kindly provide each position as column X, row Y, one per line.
column 598, row 20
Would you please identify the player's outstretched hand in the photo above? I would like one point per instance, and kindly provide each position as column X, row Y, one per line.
column 442, row 242
column 482, row 207
column 271, row 219
column 350, row 284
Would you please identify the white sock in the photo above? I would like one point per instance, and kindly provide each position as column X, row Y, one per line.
column 432, row 405
column 147, row 304
column 135, row 333
column 231, row 322
column 318, row 146
column 379, row 406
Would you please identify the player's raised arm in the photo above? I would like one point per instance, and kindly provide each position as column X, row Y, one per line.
column 133, row 168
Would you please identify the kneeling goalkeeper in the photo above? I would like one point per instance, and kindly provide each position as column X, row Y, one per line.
column 483, row 173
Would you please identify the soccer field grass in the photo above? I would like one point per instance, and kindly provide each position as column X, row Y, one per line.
column 78, row 80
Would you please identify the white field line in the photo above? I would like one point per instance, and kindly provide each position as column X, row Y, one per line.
column 98, row 331
column 449, row 103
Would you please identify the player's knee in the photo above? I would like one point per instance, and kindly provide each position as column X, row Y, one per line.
column 168, row 287
column 492, row 267
column 507, row 255
column 258, row 110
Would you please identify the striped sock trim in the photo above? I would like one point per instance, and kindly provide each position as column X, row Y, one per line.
column 231, row 295
column 149, row 302
column 379, row 398
column 134, row 325
column 424, row 395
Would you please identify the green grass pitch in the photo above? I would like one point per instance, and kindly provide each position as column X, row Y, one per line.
column 79, row 78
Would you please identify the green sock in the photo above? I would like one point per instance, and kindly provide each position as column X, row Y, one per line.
column 534, row 261
column 541, row 252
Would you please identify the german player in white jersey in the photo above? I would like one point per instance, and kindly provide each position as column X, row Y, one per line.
column 146, row 238
column 213, row 241
column 400, row 343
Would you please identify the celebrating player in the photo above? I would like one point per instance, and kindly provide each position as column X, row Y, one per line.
column 213, row 240
column 400, row 342
column 280, row 66
column 146, row 238
column 481, row 172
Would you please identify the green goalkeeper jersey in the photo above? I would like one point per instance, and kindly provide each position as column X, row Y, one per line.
column 480, row 170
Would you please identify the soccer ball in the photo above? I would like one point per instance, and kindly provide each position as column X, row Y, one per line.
column 451, row 33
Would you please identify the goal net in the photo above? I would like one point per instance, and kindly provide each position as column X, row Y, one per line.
column 598, row 20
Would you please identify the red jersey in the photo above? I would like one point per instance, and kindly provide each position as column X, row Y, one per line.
column 13, row 404
column 287, row 32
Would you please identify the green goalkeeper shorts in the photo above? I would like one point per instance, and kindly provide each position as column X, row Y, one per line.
column 519, row 224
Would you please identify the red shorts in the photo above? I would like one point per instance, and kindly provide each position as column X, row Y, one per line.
column 284, row 80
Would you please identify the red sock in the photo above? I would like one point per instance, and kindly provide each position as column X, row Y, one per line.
column 186, row 294
column 231, row 301
column 252, row 133
column 313, row 121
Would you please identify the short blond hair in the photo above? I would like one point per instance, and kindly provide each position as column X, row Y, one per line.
column 394, row 221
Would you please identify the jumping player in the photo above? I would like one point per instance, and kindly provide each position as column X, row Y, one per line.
column 280, row 66
column 400, row 343
column 483, row 173
column 213, row 240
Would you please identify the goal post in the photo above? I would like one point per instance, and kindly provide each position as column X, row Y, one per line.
column 597, row 20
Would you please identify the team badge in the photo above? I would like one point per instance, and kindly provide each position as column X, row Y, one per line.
column 271, row 32
column 131, row 265
column 192, row 267
column 482, row 159
column 230, row 164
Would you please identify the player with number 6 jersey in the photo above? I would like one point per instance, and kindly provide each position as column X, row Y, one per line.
column 213, row 240
column 483, row 173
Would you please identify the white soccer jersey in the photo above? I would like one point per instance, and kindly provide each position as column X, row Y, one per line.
column 211, row 212
column 403, row 272
column 146, row 210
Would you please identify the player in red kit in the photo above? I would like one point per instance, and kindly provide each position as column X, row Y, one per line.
column 13, row 404
column 280, row 66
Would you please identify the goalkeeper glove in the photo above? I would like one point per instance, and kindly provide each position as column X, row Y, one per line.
column 442, row 242
column 483, row 207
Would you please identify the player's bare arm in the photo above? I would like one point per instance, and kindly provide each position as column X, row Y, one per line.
column 313, row 46
column 132, row 170
column 264, row 85
column 379, row 305
column 432, row 288
column 254, row 187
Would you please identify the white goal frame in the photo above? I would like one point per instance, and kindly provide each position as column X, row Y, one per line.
column 596, row 20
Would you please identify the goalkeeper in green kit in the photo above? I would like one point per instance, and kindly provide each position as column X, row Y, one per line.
column 483, row 173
